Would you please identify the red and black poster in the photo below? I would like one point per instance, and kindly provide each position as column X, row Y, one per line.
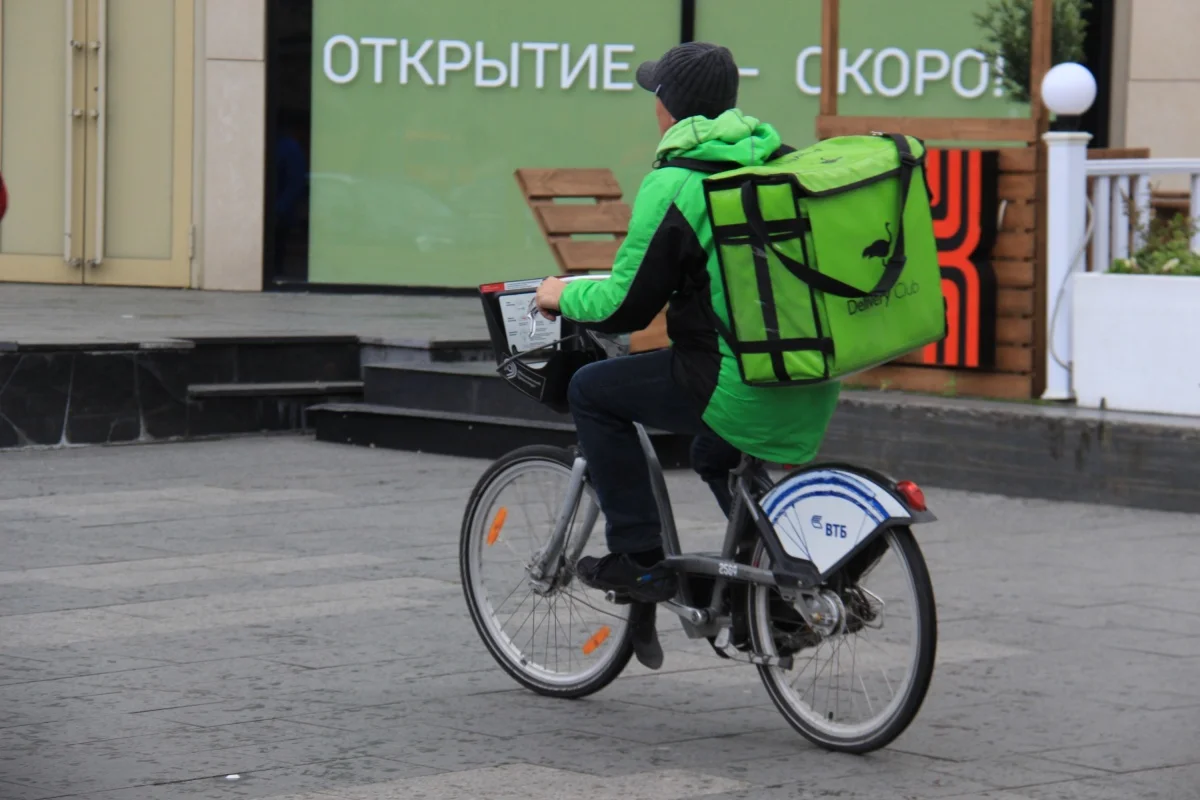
column 964, row 193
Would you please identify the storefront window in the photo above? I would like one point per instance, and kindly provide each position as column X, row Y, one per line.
column 894, row 61
column 395, row 128
column 421, row 113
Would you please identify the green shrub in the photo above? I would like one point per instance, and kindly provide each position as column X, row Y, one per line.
column 1167, row 251
column 1008, row 30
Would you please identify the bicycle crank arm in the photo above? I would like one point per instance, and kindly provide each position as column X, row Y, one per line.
column 696, row 616
column 722, row 642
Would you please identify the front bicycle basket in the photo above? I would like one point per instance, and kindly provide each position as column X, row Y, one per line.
column 537, row 356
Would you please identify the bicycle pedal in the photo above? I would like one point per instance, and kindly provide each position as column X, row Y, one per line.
column 720, row 644
column 783, row 662
column 713, row 644
column 618, row 598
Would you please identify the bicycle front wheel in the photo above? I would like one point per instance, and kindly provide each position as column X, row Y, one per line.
column 856, row 685
column 554, row 635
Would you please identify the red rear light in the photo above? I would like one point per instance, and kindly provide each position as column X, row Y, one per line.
column 912, row 495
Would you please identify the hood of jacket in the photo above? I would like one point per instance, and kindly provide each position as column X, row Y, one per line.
column 733, row 136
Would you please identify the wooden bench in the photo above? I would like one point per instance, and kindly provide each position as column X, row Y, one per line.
column 604, row 220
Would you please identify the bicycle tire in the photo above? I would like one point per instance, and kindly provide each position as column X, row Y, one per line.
column 621, row 650
column 926, row 649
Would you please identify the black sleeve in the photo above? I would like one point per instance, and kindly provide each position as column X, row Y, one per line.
column 672, row 254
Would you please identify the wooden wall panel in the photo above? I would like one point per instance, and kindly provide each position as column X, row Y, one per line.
column 1014, row 261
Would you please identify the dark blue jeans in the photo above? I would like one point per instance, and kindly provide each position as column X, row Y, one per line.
column 606, row 398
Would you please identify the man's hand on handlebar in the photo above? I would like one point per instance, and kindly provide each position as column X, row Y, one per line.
column 547, row 297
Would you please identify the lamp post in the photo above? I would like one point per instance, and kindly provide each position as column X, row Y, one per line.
column 1068, row 91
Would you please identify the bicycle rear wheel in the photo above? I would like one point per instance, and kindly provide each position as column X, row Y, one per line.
column 556, row 636
column 855, row 686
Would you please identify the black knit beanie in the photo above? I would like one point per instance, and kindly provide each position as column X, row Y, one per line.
column 693, row 79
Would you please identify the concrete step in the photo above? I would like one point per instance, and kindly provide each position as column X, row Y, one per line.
column 465, row 388
column 277, row 389
column 454, row 433
column 417, row 351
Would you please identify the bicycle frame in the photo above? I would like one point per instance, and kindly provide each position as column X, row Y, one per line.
column 793, row 577
column 698, row 622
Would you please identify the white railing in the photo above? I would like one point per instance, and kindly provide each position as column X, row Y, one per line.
column 1121, row 194
column 1122, row 185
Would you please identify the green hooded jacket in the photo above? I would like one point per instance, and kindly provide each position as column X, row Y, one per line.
column 669, row 257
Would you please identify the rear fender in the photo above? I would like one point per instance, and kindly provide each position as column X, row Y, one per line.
column 825, row 514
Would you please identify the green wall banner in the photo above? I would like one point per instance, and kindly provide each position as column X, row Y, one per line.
column 421, row 112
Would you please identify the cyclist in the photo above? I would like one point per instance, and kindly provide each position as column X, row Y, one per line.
column 668, row 257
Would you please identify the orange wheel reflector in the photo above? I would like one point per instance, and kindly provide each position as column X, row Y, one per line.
column 497, row 524
column 597, row 639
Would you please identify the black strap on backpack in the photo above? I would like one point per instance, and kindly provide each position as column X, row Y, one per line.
column 777, row 229
column 717, row 167
column 775, row 347
column 893, row 267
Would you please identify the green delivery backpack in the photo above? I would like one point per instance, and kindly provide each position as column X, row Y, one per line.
column 828, row 259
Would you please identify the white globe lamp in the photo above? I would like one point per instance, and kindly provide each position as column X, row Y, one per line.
column 1069, row 90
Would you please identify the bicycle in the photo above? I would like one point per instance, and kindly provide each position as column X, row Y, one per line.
column 789, row 583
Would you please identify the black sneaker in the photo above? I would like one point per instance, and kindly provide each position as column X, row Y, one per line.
column 646, row 647
column 620, row 573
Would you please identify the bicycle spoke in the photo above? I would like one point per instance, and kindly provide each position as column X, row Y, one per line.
column 549, row 614
column 513, row 613
column 863, row 683
column 597, row 609
column 814, row 661
column 820, row 672
column 550, row 506
column 521, row 627
column 853, row 672
column 570, row 625
column 837, row 682
column 867, row 696
column 516, row 556
column 531, row 528
column 557, row 626
column 533, row 633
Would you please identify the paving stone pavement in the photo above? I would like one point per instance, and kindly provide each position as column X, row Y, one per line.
column 39, row 314
column 289, row 612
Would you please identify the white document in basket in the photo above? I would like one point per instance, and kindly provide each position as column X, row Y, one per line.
column 514, row 308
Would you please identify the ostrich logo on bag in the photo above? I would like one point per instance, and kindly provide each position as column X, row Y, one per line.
column 880, row 248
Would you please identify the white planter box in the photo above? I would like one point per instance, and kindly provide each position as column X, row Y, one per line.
column 1136, row 342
